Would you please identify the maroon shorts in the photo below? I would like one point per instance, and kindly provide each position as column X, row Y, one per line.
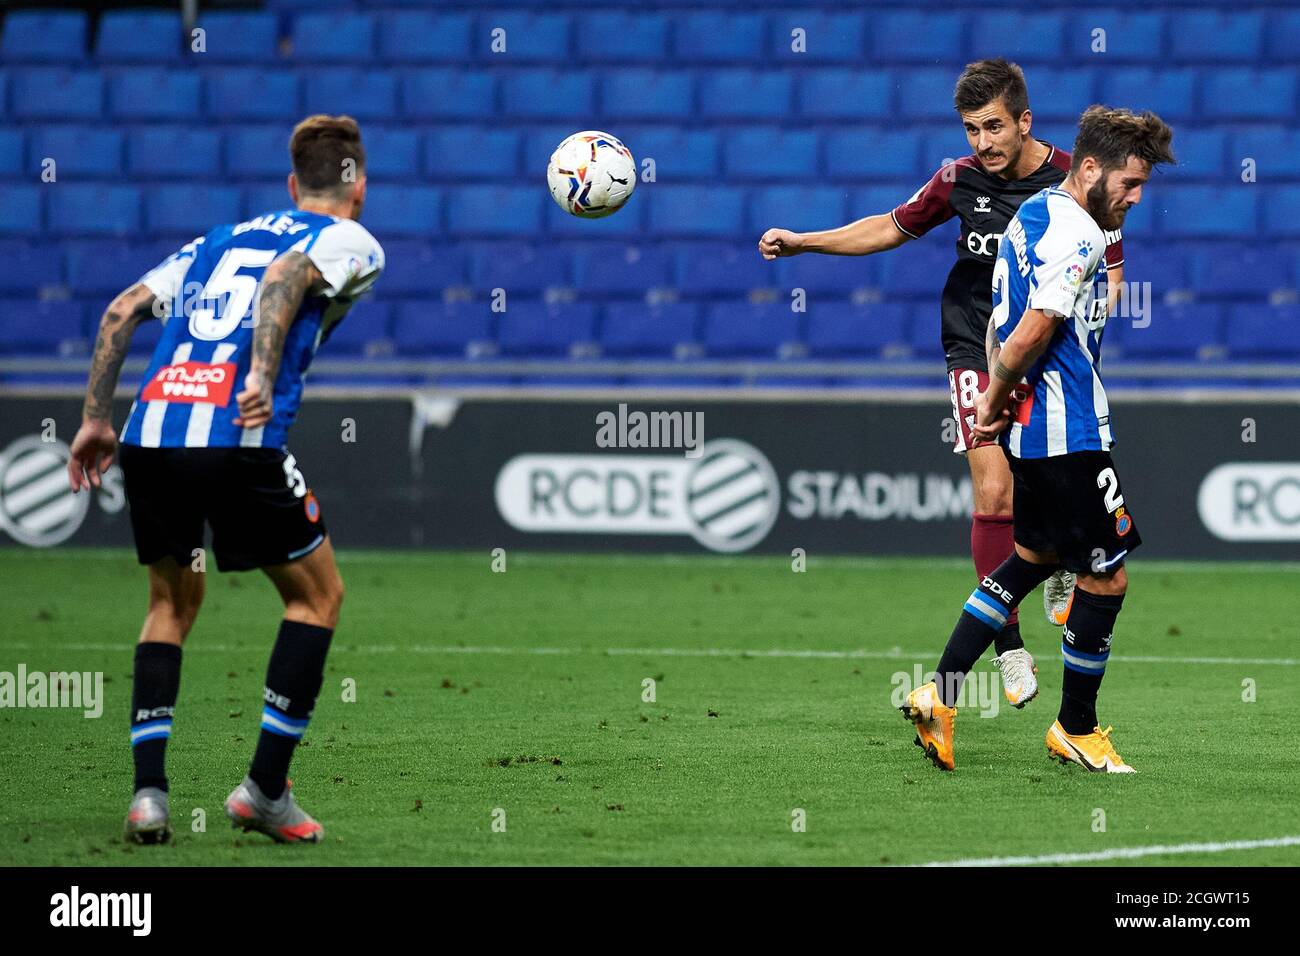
column 964, row 387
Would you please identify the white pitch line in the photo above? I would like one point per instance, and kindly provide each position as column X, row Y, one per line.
column 1120, row 853
column 894, row 654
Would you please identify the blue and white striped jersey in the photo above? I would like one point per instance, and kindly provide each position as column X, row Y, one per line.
column 187, row 399
column 1047, row 259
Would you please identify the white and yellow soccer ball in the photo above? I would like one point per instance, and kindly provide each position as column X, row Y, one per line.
column 591, row 174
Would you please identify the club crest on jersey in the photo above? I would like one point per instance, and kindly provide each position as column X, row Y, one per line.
column 312, row 507
column 1123, row 523
column 982, row 204
column 191, row 382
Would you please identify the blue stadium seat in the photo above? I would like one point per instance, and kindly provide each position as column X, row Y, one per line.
column 472, row 152
column 1284, row 36
column 1239, row 272
column 1276, row 148
column 864, row 152
column 770, row 152
column 251, row 93
column 744, row 330
column 143, row 93
column 923, row 333
column 4, row 92
column 824, row 277
column 826, row 37
column 1168, row 271
column 537, row 329
column 494, row 210
column 628, row 225
column 842, row 330
column 1269, row 332
column 745, row 94
column 145, row 338
column 139, row 36
column 680, row 154
column 1174, row 332
column 1170, row 93
column 1282, row 211
column 263, row 198
column 1208, row 210
column 926, row 95
column 919, row 268
column 622, row 37
column 47, row 328
column 521, row 268
column 257, row 152
column 392, row 153
column 418, row 36
column 541, row 141
column 638, row 330
column 1250, row 94
column 547, row 94
column 1206, row 35
column 878, row 200
column 647, row 94
column 77, row 151
column 1200, row 154
column 1062, row 94
column 77, row 209
column 1021, row 37
column 718, row 36
column 1141, row 219
column 611, row 270
column 364, row 93
column 189, row 210
column 367, row 323
column 715, row 269
column 160, row 152
column 1128, row 36
column 696, row 210
column 417, row 267
column 45, row 37
column 527, row 36
column 917, row 37
column 49, row 93
column 797, row 207
column 845, row 94
column 20, row 210
column 29, row 266
column 104, row 267
column 12, row 155
column 393, row 210
column 333, row 36
column 453, row 329
column 448, row 93
column 239, row 37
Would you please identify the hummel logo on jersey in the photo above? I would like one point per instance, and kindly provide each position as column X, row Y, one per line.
column 982, row 204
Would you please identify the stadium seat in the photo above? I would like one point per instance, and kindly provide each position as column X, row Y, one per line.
column 160, row 152
column 77, row 209
column 257, row 152
column 647, row 94
column 239, row 37
column 715, row 269
column 1240, row 272
column 520, row 268
column 418, row 36
column 143, row 93
column 799, row 208
column 638, row 330
column 494, row 210
column 188, row 210
column 1283, row 36
column 1275, row 147
column 919, row 268
column 1021, row 37
column 769, row 152
column 1282, row 212
column 1200, row 154
column 612, row 270
column 827, row 276
column 744, row 330
column 547, row 93
column 4, row 92
column 365, row 94
column 447, row 93
column 825, row 37
column 1233, row 94
column 455, row 329
column 526, row 35
column 44, row 328
column 81, row 152
column 917, row 37
column 621, row 37
column 1127, row 36
column 251, row 93
column 139, row 36
column 20, row 210
column 924, row 335
column 12, row 143
column 393, row 210
column 1265, row 332
column 392, row 153
column 1062, row 95
column 864, row 152
column 333, row 36
column 272, row 197
column 1208, row 210
column 680, row 154
column 417, row 267
column 1175, row 332
column 367, row 325
column 1168, row 271
column 145, row 339
column 104, row 267
column 48, row 94
column 29, row 267
column 495, row 152
column 745, row 94
column 1206, row 36
column 696, row 210
column 38, row 36
column 1167, row 92
column 842, row 330
column 627, row 225
column 925, row 95
column 846, row 94
column 534, row 328
column 718, row 36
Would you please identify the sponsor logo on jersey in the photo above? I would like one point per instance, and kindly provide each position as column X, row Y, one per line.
column 983, row 244
column 192, row 382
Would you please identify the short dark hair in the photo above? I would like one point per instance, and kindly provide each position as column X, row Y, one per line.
column 984, row 81
column 1111, row 136
column 320, row 147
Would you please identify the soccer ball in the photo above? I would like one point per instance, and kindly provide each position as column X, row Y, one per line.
column 591, row 174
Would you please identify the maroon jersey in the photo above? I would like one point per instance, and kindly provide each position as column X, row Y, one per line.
column 985, row 204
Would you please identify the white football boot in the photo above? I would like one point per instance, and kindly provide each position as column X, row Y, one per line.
column 1018, row 681
column 1058, row 593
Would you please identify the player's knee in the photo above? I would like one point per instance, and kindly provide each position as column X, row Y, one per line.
column 1115, row 583
column 995, row 496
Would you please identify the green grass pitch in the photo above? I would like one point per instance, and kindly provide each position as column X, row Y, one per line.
column 518, row 697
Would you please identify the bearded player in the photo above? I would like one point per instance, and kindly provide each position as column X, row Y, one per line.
column 983, row 190
column 246, row 303
column 1068, row 503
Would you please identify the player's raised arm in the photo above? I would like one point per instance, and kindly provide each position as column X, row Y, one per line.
column 95, row 444
column 279, row 297
column 861, row 238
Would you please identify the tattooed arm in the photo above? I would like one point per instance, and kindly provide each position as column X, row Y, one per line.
column 96, row 443
column 279, row 296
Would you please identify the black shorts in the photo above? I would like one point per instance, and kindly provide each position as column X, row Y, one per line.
column 1073, row 505
column 255, row 499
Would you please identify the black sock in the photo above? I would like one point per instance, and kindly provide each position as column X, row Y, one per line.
column 1085, row 645
column 1008, row 639
column 153, row 702
column 982, row 618
column 293, row 679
